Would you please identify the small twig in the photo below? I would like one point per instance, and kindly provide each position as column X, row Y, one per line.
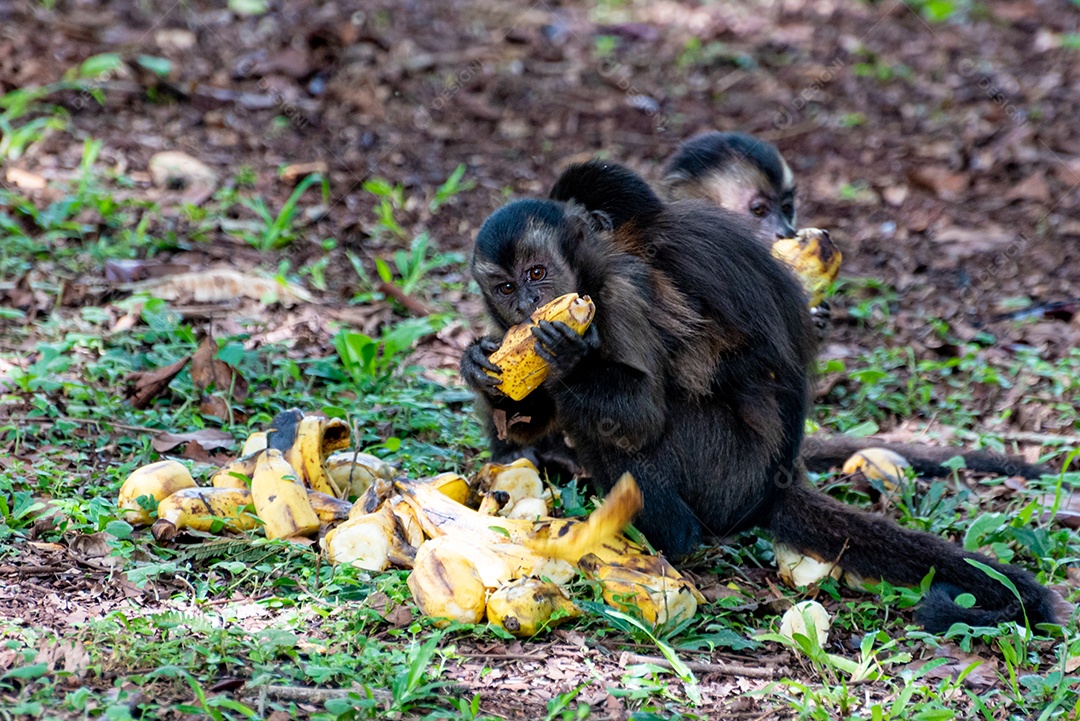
column 1047, row 439
column 412, row 304
column 305, row 694
column 41, row 570
column 504, row 656
column 703, row 666
column 81, row 421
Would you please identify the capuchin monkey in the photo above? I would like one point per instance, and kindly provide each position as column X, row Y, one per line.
column 694, row 377
column 740, row 173
column 747, row 177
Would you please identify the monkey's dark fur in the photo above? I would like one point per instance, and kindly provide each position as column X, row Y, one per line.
column 625, row 197
column 694, row 377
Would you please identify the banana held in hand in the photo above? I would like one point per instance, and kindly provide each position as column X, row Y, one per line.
column 197, row 509
column 280, row 501
column 814, row 258
column 157, row 480
column 527, row 606
column 522, row 369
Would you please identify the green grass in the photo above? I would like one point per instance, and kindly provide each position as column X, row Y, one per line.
column 301, row 622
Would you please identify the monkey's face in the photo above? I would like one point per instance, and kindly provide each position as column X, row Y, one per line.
column 518, row 262
column 744, row 190
column 740, row 173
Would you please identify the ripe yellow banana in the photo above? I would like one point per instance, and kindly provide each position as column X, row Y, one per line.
column 527, row 606
column 158, row 480
column 658, row 597
column 254, row 443
column 281, row 502
column 446, row 583
column 814, row 258
column 522, row 369
column 357, row 471
column 450, row 485
column 237, row 473
column 879, row 464
column 328, row 508
column 197, row 509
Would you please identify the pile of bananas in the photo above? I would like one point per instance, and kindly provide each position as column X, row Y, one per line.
column 480, row 547
column 290, row 476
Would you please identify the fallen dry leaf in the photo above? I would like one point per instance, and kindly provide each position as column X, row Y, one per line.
column 208, row 438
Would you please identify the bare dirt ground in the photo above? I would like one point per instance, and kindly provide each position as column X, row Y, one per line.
column 943, row 157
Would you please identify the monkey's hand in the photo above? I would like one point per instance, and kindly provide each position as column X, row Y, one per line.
column 475, row 366
column 561, row 347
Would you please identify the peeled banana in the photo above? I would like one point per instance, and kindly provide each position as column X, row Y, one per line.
column 519, row 479
column 254, row 443
column 798, row 570
column 365, row 541
column 814, row 258
column 357, row 471
column 522, row 369
column 281, row 502
column 529, row 605
column 157, row 480
column 198, row 509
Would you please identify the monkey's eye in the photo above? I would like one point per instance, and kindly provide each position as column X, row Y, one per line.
column 537, row 272
column 759, row 208
column 506, row 288
column 788, row 209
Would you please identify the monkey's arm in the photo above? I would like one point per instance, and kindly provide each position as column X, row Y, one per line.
column 509, row 423
column 622, row 405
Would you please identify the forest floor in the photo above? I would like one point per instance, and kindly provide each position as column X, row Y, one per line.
column 936, row 140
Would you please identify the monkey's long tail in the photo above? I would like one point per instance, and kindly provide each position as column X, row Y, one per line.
column 875, row 547
column 820, row 453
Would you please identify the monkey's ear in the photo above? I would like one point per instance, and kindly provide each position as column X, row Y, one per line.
column 600, row 221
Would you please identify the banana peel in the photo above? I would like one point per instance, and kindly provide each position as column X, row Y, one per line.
column 446, row 583
column 522, row 369
column 157, row 480
column 371, row 542
column 814, row 258
column 645, row 585
column 357, row 471
column 237, row 473
column 306, row 441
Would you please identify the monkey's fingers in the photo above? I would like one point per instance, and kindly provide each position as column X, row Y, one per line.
column 488, row 345
column 557, row 335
